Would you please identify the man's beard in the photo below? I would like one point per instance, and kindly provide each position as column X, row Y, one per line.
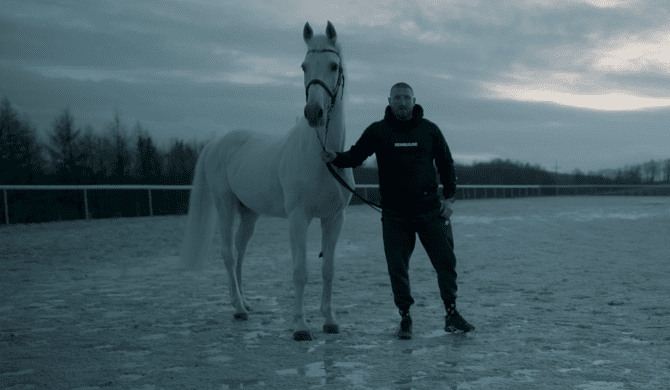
column 403, row 116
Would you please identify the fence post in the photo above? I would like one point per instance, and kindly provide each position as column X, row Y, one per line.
column 151, row 208
column 86, row 203
column 6, row 209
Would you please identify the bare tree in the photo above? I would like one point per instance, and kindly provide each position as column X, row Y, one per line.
column 633, row 174
column 666, row 168
column 650, row 169
column 121, row 162
column 62, row 148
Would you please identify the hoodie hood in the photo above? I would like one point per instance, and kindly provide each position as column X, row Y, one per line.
column 396, row 124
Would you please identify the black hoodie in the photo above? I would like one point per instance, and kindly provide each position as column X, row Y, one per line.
column 405, row 153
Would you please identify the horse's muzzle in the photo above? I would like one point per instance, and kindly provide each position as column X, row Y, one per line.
column 314, row 115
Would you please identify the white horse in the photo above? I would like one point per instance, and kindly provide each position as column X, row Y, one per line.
column 248, row 175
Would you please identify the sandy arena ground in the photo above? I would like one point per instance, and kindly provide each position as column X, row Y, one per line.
column 566, row 293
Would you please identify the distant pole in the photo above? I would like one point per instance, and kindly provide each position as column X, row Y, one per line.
column 86, row 203
column 151, row 209
column 6, row 209
column 556, row 176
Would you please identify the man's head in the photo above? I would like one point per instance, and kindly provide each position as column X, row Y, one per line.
column 402, row 101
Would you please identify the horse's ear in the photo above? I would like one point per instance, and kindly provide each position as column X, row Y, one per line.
column 307, row 32
column 330, row 32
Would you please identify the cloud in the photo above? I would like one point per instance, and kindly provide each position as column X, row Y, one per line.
column 588, row 85
column 368, row 99
column 626, row 53
column 609, row 101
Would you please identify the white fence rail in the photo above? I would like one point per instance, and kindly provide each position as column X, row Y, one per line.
column 534, row 190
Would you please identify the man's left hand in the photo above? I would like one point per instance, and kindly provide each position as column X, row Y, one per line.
column 445, row 208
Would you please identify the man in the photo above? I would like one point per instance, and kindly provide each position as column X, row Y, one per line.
column 406, row 145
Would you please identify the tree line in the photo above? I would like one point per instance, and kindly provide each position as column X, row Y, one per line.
column 75, row 155
column 80, row 155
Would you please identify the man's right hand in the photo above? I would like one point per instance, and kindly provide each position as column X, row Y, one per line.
column 328, row 156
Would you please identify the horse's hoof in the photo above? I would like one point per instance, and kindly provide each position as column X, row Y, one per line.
column 329, row 328
column 303, row 335
column 241, row 316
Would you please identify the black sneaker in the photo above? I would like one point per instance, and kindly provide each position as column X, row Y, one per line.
column 404, row 331
column 456, row 323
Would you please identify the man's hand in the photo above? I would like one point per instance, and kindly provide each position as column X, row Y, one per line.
column 445, row 208
column 328, row 156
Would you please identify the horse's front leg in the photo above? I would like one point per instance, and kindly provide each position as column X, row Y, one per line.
column 330, row 232
column 298, row 224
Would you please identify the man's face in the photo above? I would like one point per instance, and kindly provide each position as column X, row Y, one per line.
column 402, row 103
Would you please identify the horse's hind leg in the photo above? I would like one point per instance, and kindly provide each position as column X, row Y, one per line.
column 248, row 220
column 225, row 205
column 330, row 232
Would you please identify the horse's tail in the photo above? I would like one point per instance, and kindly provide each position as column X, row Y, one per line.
column 201, row 217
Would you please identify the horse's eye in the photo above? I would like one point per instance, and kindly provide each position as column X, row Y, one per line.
column 333, row 67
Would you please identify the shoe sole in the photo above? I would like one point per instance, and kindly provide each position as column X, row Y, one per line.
column 453, row 329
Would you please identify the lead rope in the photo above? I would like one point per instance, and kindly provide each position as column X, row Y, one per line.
column 330, row 167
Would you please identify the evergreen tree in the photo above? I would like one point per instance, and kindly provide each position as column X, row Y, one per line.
column 148, row 169
column 21, row 159
column 181, row 159
column 91, row 168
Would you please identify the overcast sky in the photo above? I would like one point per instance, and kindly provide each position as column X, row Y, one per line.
column 586, row 83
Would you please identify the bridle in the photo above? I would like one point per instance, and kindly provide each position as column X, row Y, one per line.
column 333, row 94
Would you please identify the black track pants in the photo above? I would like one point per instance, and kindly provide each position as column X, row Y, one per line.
column 437, row 239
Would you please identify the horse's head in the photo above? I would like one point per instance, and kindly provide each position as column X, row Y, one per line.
column 323, row 73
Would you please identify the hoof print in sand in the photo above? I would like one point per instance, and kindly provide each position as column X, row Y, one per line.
column 303, row 335
column 331, row 328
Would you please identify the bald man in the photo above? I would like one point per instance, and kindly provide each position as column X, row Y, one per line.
column 406, row 145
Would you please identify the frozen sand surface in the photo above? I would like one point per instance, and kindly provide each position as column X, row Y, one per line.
column 566, row 293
